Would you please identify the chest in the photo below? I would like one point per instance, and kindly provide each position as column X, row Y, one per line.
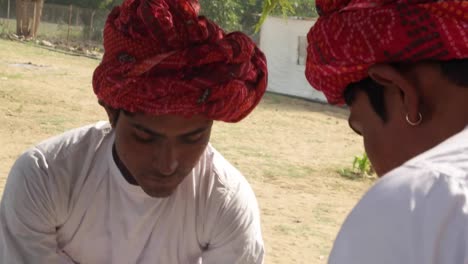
column 112, row 226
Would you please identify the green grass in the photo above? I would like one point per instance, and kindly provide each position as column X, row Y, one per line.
column 15, row 76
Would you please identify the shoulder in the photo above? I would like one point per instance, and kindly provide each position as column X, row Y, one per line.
column 60, row 157
column 232, row 217
column 224, row 192
column 74, row 141
column 227, row 180
column 69, row 145
column 50, row 171
column 411, row 204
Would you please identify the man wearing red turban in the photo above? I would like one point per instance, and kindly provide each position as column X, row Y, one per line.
column 145, row 187
column 402, row 68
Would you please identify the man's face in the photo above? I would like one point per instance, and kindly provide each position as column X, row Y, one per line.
column 384, row 141
column 160, row 151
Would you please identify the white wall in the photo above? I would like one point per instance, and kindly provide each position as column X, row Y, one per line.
column 279, row 39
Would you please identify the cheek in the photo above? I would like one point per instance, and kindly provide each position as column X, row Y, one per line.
column 376, row 149
column 370, row 146
column 135, row 156
column 380, row 147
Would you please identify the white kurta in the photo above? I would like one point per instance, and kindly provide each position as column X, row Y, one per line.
column 417, row 213
column 65, row 201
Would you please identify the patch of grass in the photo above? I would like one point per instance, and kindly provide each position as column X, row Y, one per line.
column 284, row 229
column 5, row 76
column 362, row 168
column 54, row 123
column 20, row 108
column 273, row 99
column 284, row 170
column 323, row 212
column 294, row 228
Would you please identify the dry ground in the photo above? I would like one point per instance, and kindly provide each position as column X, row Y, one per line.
column 289, row 149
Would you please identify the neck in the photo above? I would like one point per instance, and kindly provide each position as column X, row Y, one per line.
column 445, row 121
column 450, row 116
column 123, row 169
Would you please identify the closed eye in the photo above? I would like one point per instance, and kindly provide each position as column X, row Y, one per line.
column 193, row 138
column 143, row 137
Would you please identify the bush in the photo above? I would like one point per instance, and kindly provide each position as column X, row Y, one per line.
column 362, row 168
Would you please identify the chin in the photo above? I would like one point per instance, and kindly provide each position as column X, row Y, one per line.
column 156, row 189
column 158, row 193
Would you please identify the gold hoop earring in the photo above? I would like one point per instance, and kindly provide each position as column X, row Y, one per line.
column 417, row 123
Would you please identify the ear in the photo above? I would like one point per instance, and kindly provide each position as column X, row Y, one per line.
column 389, row 76
column 112, row 114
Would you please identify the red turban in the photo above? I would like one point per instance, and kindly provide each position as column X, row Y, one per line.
column 352, row 35
column 162, row 58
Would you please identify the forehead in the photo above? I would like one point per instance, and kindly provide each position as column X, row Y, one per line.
column 168, row 124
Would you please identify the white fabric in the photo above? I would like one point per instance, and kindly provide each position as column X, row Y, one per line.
column 65, row 201
column 417, row 213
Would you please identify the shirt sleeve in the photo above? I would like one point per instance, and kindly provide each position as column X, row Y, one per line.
column 413, row 215
column 236, row 234
column 27, row 215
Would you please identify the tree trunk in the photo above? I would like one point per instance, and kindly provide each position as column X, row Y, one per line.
column 39, row 5
column 21, row 18
column 28, row 17
column 91, row 26
column 8, row 10
column 8, row 16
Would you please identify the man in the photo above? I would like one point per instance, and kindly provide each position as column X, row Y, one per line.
column 148, row 187
column 402, row 68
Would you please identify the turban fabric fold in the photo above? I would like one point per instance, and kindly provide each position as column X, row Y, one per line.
column 161, row 57
column 352, row 35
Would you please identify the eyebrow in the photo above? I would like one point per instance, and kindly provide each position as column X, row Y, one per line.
column 154, row 133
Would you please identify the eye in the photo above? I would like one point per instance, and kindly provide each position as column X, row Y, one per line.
column 143, row 137
column 191, row 139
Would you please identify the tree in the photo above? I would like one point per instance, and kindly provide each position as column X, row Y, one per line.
column 245, row 15
column 91, row 4
column 225, row 12
column 301, row 8
column 232, row 15
column 28, row 17
column 90, row 13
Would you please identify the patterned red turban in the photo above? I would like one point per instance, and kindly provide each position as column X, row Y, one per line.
column 162, row 58
column 352, row 35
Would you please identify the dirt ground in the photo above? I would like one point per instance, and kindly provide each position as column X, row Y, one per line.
column 290, row 150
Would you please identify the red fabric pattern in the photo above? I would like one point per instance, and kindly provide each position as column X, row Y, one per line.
column 352, row 35
column 162, row 58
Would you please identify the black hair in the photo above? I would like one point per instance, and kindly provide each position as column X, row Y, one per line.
column 117, row 111
column 374, row 91
column 456, row 71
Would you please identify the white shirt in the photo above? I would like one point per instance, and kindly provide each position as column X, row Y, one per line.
column 417, row 213
column 66, row 201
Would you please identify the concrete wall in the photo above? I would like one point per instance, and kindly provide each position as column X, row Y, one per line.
column 279, row 39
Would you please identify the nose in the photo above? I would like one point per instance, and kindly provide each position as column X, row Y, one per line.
column 165, row 159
